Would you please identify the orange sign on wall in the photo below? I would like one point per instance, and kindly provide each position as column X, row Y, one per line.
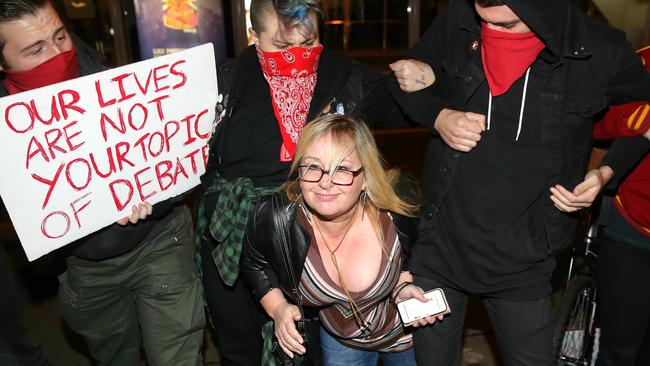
column 180, row 15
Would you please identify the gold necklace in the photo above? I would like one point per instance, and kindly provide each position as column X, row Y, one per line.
column 356, row 312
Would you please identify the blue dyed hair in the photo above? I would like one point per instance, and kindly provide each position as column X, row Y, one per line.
column 291, row 13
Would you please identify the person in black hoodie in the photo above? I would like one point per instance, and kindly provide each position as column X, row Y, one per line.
column 518, row 87
column 133, row 284
column 269, row 92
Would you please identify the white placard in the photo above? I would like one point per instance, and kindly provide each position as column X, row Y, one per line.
column 79, row 154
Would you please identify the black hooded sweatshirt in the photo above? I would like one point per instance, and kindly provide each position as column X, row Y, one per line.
column 488, row 225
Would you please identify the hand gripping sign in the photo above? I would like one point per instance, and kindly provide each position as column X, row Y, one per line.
column 79, row 154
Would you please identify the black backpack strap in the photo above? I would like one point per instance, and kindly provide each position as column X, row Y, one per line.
column 226, row 73
column 353, row 89
column 355, row 83
column 226, row 77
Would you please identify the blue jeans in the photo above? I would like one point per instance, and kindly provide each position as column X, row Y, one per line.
column 336, row 354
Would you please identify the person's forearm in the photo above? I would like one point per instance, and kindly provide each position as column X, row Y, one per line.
column 606, row 174
column 623, row 156
column 272, row 300
column 405, row 276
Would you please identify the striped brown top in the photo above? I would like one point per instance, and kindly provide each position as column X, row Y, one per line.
column 384, row 331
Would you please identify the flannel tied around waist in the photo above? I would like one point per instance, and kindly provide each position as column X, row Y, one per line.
column 227, row 223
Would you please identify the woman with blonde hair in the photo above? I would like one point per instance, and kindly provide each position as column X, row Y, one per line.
column 270, row 92
column 344, row 228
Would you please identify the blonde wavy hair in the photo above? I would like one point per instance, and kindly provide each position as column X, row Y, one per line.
column 349, row 134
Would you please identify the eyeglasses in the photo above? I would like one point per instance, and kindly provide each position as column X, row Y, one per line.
column 340, row 176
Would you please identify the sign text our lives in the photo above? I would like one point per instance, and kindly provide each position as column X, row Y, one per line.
column 67, row 132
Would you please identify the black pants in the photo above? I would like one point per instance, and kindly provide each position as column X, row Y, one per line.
column 236, row 317
column 624, row 304
column 16, row 348
column 522, row 329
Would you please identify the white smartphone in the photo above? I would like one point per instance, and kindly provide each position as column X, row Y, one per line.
column 412, row 310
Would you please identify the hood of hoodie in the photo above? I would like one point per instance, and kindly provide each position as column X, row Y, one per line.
column 547, row 18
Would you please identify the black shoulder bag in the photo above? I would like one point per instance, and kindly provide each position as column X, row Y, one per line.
column 308, row 328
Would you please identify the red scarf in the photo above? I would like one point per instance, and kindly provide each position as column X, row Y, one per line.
column 506, row 56
column 59, row 68
column 291, row 75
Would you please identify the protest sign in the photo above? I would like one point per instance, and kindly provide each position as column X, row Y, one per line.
column 79, row 154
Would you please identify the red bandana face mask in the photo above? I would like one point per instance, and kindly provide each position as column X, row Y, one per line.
column 59, row 68
column 506, row 56
column 291, row 75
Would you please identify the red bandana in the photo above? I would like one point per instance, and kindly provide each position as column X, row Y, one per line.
column 291, row 75
column 59, row 68
column 506, row 56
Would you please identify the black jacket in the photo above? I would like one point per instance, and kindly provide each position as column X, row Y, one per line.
column 263, row 264
column 593, row 66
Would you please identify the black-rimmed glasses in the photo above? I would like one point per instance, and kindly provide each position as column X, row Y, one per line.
column 340, row 176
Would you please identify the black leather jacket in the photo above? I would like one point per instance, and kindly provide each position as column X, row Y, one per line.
column 263, row 265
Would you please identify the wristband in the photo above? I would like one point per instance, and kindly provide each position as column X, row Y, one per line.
column 399, row 288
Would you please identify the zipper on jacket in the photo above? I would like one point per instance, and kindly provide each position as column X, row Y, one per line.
column 282, row 235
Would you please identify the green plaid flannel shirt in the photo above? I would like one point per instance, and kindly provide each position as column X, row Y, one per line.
column 268, row 358
column 227, row 225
